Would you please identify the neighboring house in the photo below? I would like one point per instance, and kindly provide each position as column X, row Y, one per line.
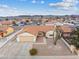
column 34, row 30
column 0, row 24
column 53, row 22
column 9, row 22
column 2, row 34
column 4, row 31
column 66, row 31
column 21, row 23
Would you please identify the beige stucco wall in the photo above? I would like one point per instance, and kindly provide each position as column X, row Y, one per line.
column 26, row 38
column 9, row 31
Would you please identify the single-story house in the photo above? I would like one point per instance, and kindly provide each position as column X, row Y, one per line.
column 4, row 31
column 34, row 30
column 9, row 22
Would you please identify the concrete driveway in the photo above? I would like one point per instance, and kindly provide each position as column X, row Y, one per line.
column 15, row 49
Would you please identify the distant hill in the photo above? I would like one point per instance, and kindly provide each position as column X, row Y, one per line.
column 37, row 16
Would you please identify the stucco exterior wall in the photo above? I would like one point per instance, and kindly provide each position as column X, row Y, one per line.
column 26, row 38
column 9, row 31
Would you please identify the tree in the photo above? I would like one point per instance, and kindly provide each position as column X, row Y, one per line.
column 14, row 19
column 6, row 19
column 27, row 20
column 57, row 34
column 75, row 38
column 14, row 23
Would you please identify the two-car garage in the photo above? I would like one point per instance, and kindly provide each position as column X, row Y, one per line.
column 26, row 37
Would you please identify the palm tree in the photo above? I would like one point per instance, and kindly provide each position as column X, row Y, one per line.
column 56, row 34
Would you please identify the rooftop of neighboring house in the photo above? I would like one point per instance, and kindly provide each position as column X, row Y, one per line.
column 35, row 29
column 6, row 22
column 3, row 29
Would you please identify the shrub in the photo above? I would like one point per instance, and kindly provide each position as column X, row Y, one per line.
column 33, row 51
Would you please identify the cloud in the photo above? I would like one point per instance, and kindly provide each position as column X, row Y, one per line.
column 34, row 1
column 4, row 6
column 38, row 1
column 63, row 12
column 42, row 2
column 67, row 7
column 5, row 10
column 65, row 4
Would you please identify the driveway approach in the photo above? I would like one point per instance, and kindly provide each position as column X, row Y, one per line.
column 14, row 49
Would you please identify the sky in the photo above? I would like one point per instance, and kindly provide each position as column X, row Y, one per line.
column 39, row 7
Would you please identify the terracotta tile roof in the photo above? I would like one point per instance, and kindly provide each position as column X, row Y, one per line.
column 6, row 22
column 66, row 29
column 3, row 29
column 35, row 29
